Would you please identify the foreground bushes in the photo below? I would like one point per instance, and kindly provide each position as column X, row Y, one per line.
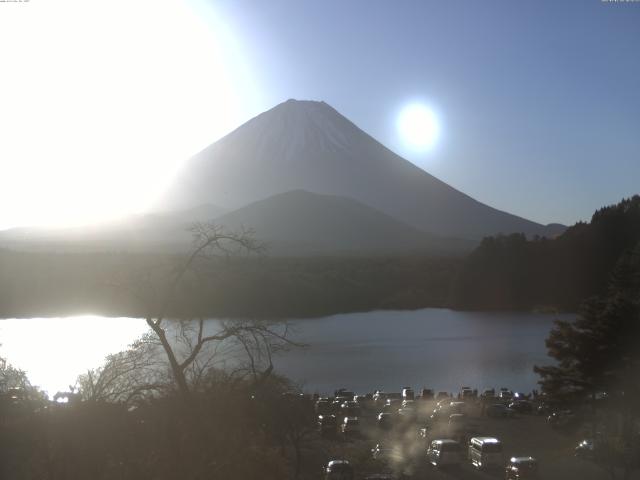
column 226, row 431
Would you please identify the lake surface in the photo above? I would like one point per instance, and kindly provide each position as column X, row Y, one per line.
column 437, row 348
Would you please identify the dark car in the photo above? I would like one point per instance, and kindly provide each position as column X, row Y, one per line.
column 385, row 420
column 323, row 407
column 439, row 414
column 423, row 433
column 379, row 397
column 505, row 395
column 546, row 408
column 521, row 468
column 327, row 424
column 563, row 419
column 426, row 394
column 442, row 395
column 498, row 410
column 585, row 449
column 488, row 393
column 521, row 406
column 343, row 392
column 384, row 453
column 350, row 409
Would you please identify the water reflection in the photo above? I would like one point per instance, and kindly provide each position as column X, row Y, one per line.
column 54, row 351
column 437, row 348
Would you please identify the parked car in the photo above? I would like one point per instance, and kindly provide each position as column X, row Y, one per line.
column 466, row 394
column 521, row 406
column 423, row 433
column 585, row 449
column 485, row 452
column 407, row 393
column 426, row 394
column 339, row 470
column 389, row 408
column 408, row 403
column 385, row 420
column 442, row 395
column 438, row 414
column 498, row 410
column 488, row 392
column 382, row 452
column 350, row 409
column 546, row 408
column 379, row 397
column 394, row 403
column 323, row 407
column 407, row 413
column 505, row 395
column 563, row 419
column 386, row 454
column 444, row 453
column 350, row 426
column 521, row 468
column 327, row 424
column 343, row 392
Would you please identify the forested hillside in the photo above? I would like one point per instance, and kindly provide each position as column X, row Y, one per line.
column 50, row 284
column 511, row 272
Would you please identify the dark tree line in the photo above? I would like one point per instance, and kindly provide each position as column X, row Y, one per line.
column 59, row 284
column 512, row 272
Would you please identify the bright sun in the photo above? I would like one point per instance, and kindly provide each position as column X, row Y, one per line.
column 102, row 100
column 418, row 127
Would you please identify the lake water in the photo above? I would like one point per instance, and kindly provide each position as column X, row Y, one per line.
column 438, row 348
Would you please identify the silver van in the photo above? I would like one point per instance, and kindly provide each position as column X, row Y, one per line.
column 486, row 452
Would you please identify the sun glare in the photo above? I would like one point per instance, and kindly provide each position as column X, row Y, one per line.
column 102, row 100
column 52, row 365
column 418, row 127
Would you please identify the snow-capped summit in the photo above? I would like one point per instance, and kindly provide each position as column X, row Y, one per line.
column 308, row 145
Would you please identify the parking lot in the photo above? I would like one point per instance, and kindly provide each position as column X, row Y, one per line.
column 403, row 444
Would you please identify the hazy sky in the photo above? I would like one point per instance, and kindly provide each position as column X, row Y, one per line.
column 538, row 102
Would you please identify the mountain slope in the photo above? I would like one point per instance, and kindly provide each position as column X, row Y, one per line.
column 309, row 145
column 303, row 223
column 154, row 231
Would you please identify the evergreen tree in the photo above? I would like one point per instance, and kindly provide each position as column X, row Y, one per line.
column 600, row 350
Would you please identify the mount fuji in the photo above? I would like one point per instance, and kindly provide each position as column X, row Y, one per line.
column 308, row 145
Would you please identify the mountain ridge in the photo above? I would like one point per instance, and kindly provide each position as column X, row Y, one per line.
column 309, row 145
column 299, row 222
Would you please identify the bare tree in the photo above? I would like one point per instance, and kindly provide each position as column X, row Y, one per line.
column 189, row 346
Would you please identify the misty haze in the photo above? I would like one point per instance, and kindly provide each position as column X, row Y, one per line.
column 330, row 240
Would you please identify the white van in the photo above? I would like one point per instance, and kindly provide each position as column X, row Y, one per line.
column 444, row 453
column 486, row 452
